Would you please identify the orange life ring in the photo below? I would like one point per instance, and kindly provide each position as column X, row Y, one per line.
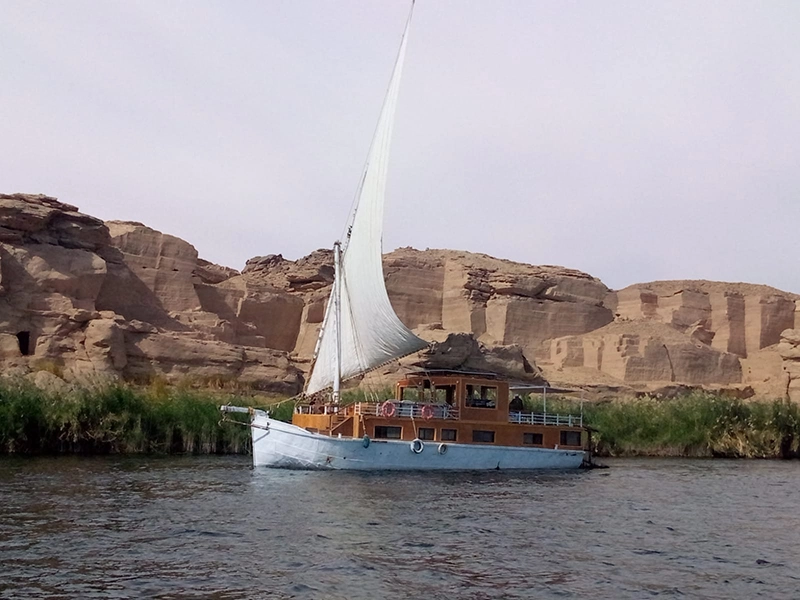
column 427, row 412
column 388, row 408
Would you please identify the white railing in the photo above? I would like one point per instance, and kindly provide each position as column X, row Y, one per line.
column 545, row 419
column 408, row 410
column 416, row 410
column 323, row 409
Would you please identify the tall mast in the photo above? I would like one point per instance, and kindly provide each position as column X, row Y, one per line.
column 337, row 318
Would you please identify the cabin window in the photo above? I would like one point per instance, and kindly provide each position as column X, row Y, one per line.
column 424, row 391
column 387, row 433
column 570, row 438
column 533, row 439
column 24, row 340
column 449, row 435
column 481, row 396
column 485, row 437
column 410, row 394
column 446, row 394
column 425, row 433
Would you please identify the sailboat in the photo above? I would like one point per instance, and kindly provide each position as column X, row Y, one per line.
column 436, row 419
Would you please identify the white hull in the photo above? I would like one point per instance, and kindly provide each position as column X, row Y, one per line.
column 282, row 445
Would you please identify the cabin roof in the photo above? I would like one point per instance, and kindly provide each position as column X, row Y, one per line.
column 514, row 386
column 526, row 387
column 452, row 373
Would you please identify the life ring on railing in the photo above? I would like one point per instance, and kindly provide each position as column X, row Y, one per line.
column 427, row 412
column 442, row 449
column 417, row 446
column 388, row 409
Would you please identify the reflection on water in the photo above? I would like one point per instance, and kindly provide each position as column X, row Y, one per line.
column 216, row 528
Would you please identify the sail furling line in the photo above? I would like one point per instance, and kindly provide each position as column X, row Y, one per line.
column 369, row 331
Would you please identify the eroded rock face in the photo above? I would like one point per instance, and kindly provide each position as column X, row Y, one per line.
column 500, row 302
column 742, row 317
column 651, row 353
column 92, row 300
column 208, row 361
column 259, row 315
column 789, row 351
column 437, row 292
column 164, row 263
column 119, row 299
column 462, row 352
column 35, row 218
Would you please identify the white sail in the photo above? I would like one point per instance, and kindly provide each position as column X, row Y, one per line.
column 370, row 331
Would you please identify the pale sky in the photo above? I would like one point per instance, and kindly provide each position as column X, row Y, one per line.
column 632, row 140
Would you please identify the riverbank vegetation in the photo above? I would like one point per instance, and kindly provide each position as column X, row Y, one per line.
column 696, row 424
column 121, row 418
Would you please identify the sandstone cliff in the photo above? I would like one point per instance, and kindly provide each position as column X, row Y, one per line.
column 695, row 332
column 93, row 300
column 118, row 299
column 789, row 350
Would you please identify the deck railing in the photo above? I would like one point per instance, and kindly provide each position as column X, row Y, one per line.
column 408, row 410
column 325, row 409
column 545, row 419
column 417, row 410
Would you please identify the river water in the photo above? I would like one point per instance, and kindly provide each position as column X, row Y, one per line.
column 216, row 528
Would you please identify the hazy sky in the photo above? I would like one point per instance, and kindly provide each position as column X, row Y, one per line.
column 632, row 140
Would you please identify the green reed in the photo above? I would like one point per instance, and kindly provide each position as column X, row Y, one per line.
column 695, row 424
column 158, row 418
column 118, row 418
column 373, row 394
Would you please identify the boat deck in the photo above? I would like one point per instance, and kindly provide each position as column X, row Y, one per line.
column 464, row 408
column 426, row 412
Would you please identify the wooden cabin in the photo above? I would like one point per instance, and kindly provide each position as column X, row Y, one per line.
column 447, row 407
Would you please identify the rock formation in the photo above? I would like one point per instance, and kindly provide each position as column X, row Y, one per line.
column 645, row 353
column 789, row 350
column 461, row 351
column 499, row 301
column 84, row 298
column 88, row 299
column 744, row 318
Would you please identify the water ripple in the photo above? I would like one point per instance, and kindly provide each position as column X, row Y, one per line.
column 215, row 528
